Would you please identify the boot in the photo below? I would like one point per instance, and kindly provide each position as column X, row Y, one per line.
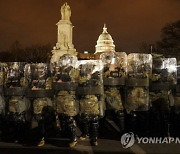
column 94, row 131
column 72, row 131
column 120, row 121
column 41, row 143
column 85, row 131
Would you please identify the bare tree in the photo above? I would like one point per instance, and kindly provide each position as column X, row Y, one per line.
column 170, row 39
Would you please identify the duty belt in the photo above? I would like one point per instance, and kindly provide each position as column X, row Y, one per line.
column 16, row 116
column 166, row 86
column 18, row 91
column 68, row 86
column 90, row 90
column 133, row 82
column 1, row 90
column 39, row 93
column 113, row 81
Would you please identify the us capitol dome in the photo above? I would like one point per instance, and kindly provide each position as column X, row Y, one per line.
column 105, row 42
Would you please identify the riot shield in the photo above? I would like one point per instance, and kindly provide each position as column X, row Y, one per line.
column 115, row 68
column 65, row 75
column 41, row 94
column 18, row 106
column 163, row 80
column 139, row 69
column 15, row 87
column 40, row 88
column 15, row 75
column 164, row 73
column 90, row 87
column 114, row 73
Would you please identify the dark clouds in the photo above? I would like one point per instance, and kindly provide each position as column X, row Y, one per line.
column 130, row 22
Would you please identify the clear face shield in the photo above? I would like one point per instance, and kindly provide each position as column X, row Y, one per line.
column 15, row 74
column 170, row 64
column 139, row 65
column 67, row 60
column 165, row 70
column 14, row 70
column 114, row 62
column 39, row 71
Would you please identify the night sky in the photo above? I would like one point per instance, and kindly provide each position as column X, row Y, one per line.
column 130, row 22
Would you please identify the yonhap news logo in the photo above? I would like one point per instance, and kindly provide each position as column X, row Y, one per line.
column 128, row 140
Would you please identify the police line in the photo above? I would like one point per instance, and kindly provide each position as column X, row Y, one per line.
column 86, row 88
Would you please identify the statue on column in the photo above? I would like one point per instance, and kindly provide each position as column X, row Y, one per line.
column 63, row 41
column 65, row 12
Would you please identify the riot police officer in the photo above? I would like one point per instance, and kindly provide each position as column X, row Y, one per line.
column 115, row 66
column 139, row 69
column 162, row 81
column 18, row 106
column 91, row 98
column 40, row 93
column 65, row 77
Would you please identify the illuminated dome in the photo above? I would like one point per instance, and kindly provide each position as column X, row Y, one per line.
column 105, row 42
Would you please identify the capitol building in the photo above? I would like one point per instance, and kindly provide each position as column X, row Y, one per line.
column 65, row 44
